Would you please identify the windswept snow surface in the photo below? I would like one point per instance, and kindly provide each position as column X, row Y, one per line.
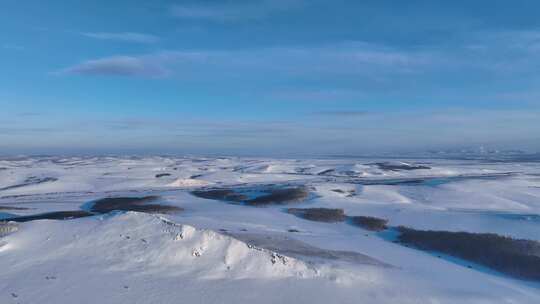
column 222, row 252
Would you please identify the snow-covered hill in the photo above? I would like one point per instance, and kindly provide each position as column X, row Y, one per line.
column 224, row 251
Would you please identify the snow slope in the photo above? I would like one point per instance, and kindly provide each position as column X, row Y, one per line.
column 141, row 258
column 197, row 256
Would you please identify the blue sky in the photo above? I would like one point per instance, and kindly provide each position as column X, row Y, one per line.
column 268, row 76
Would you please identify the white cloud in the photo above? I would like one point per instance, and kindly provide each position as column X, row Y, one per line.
column 119, row 66
column 344, row 59
column 231, row 11
column 125, row 36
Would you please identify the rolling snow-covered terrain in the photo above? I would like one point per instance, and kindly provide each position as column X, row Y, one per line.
column 232, row 239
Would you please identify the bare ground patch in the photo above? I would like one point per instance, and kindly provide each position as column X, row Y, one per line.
column 58, row 215
column 32, row 180
column 325, row 215
column 13, row 208
column 220, row 194
column 369, row 222
column 140, row 204
column 256, row 196
column 162, row 175
column 389, row 166
column 7, row 228
column 280, row 197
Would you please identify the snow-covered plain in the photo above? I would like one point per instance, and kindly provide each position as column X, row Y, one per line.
column 200, row 255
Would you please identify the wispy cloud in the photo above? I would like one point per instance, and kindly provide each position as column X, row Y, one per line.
column 412, row 129
column 25, row 130
column 29, row 114
column 318, row 94
column 124, row 37
column 231, row 11
column 523, row 40
column 504, row 52
column 119, row 66
column 342, row 113
column 415, row 129
column 13, row 47
column 342, row 59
